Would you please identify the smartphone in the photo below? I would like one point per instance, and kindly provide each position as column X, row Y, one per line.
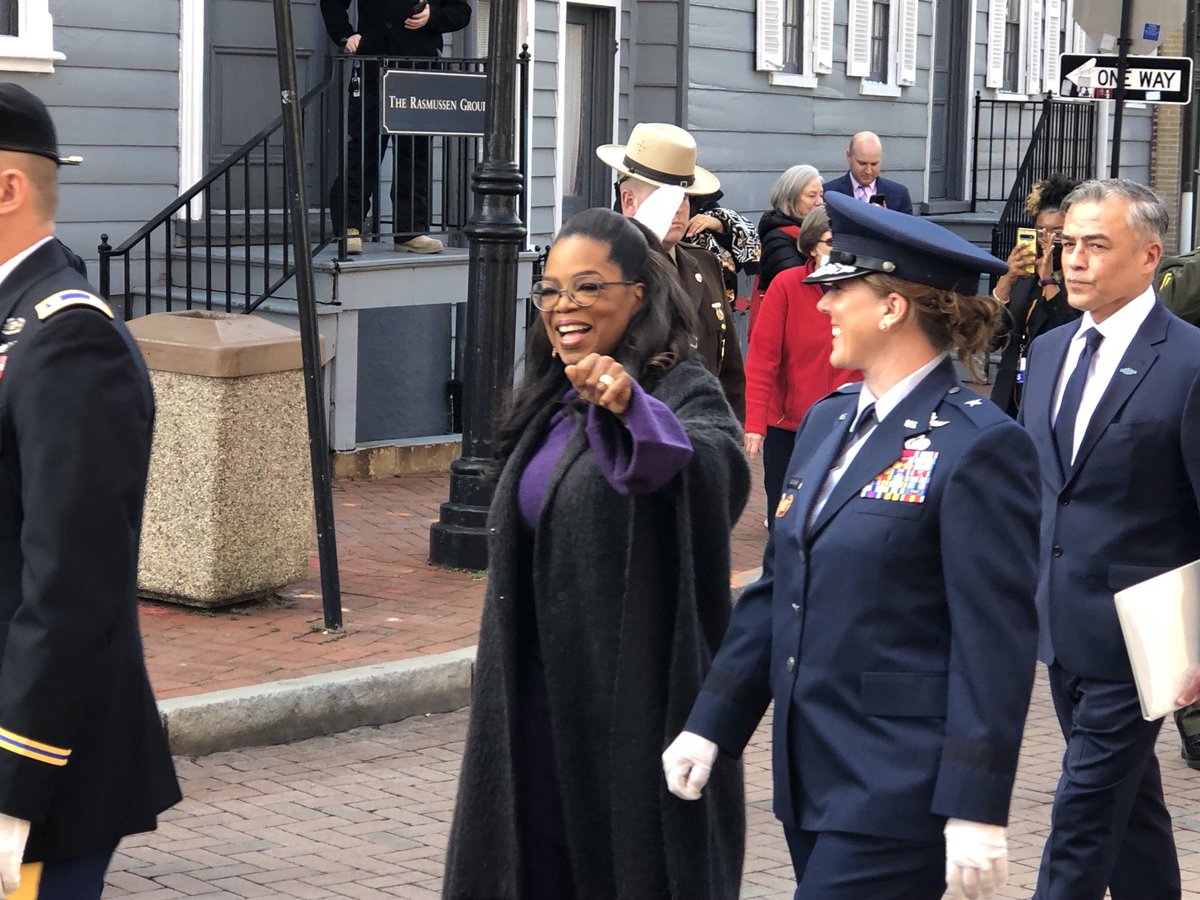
column 418, row 8
column 1028, row 236
column 878, row 200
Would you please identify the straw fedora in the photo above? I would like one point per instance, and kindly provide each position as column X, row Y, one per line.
column 658, row 153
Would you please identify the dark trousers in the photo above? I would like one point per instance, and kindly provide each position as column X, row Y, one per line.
column 541, row 828
column 81, row 878
column 776, row 451
column 834, row 865
column 410, row 183
column 1110, row 828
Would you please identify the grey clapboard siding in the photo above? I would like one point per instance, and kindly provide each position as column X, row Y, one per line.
column 749, row 131
column 543, row 152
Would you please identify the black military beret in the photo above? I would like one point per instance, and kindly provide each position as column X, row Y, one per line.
column 26, row 126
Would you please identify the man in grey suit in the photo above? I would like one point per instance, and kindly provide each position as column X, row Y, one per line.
column 1112, row 403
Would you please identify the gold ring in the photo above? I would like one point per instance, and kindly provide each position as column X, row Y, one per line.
column 605, row 379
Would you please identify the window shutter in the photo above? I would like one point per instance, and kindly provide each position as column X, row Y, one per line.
column 908, row 42
column 1033, row 47
column 1053, row 44
column 768, row 44
column 858, row 39
column 995, row 52
column 822, row 11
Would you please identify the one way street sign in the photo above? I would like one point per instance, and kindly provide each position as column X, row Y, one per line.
column 1148, row 79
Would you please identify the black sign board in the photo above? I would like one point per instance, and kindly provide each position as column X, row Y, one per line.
column 433, row 102
column 1148, row 79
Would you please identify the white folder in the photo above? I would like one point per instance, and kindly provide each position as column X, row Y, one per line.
column 1160, row 620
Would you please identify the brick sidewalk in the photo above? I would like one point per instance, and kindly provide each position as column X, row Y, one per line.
column 395, row 604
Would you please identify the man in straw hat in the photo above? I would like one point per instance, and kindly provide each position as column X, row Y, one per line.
column 659, row 155
column 83, row 757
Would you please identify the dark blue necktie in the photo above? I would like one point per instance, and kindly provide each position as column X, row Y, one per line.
column 1068, row 410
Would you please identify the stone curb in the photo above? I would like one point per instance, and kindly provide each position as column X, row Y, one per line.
column 282, row 711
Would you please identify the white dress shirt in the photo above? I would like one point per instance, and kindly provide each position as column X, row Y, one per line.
column 1118, row 330
column 891, row 398
column 10, row 266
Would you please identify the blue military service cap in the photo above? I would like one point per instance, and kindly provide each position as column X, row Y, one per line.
column 868, row 238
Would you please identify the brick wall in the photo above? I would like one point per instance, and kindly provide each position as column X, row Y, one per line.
column 1165, row 145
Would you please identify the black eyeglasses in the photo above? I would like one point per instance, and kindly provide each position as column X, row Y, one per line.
column 546, row 295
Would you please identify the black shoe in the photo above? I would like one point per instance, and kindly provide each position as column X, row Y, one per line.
column 1190, row 747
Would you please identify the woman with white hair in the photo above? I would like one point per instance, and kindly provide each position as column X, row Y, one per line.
column 795, row 194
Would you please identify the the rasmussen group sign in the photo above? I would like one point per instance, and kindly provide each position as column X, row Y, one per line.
column 450, row 103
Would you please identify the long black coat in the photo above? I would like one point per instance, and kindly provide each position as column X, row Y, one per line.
column 632, row 599
column 82, row 751
column 1026, row 315
column 381, row 24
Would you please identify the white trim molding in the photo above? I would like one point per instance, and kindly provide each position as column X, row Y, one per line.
column 191, row 99
column 31, row 49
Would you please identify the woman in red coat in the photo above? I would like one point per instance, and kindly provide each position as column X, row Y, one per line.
column 788, row 368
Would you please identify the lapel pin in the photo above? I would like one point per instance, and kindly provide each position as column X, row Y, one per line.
column 1128, row 371
column 842, row 417
column 935, row 422
column 920, row 442
column 910, row 423
column 12, row 326
column 974, row 402
column 699, row 277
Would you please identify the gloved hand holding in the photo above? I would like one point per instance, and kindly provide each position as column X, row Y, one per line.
column 13, row 835
column 687, row 763
column 976, row 858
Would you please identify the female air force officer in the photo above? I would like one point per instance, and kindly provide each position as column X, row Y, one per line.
column 897, row 644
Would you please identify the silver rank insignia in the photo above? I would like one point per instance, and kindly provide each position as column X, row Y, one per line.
column 935, row 422
column 12, row 326
column 910, row 423
column 974, row 402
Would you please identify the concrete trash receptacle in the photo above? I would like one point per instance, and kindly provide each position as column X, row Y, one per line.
column 229, row 499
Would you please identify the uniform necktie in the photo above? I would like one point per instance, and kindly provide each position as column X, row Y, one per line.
column 865, row 421
column 1068, row 410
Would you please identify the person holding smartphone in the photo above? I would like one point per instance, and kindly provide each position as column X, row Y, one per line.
column 386, row 28
column 1032, row 290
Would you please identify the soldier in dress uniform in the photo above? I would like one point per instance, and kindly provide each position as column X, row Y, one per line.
column 659, row 154
column 897, row 644
column 83, row 757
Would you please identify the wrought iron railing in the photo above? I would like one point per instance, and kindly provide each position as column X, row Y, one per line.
column 1063, row 143
column 1007, row 133
column 226, row 243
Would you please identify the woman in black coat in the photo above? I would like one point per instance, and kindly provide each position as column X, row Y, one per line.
column 1033, row 302
column 793, row 196
column 608, row 592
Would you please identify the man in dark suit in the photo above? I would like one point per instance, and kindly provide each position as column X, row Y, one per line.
column 1113, row 406
column 863, row 181
column 659, row 154
column 387, row 28
column 83, row 757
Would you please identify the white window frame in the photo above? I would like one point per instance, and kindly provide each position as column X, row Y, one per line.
column 816, row 42
column 1041, row 24
column 31, row 49
column 902, row 64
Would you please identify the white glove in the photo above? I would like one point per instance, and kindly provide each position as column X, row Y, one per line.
column 687, row 763
column 976, row 858
column 13, row 835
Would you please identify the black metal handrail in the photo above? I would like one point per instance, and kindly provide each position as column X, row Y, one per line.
column 174, row 253
column 1005, row 130
column 1063, row 143
column 181, row 232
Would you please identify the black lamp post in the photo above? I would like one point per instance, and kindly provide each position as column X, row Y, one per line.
column 495, row 232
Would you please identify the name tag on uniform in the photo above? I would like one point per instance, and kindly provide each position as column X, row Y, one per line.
column 904, row 481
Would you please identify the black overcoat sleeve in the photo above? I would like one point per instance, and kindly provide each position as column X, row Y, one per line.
column 81, row 414
column 337, row 20
column 446, row 16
